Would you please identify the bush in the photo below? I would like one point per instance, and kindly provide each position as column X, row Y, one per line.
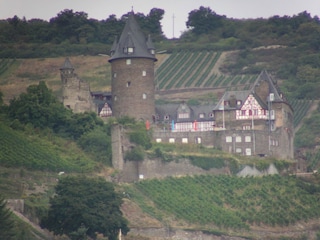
column 207, row 163
column 135, row 154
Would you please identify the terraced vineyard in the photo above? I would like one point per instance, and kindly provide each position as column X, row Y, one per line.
column 233, row 202
column 300, row 108
column 18, row 150
column 196, row 70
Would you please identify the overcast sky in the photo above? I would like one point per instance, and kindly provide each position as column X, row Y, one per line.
column 176, row 11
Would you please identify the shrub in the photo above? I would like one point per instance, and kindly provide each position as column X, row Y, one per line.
column 135, row 154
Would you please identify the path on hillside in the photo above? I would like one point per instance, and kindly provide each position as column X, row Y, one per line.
column 313, row 108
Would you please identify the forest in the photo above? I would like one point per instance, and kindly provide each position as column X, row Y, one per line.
column 205, row 27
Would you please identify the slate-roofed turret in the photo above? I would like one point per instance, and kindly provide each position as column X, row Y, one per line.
column 132, row 43
column 67, row 65
column 66, row 70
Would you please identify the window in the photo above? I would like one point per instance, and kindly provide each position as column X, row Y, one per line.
column 238, row 150
column 184, row 140
column 201, row 115
column 198, row 140
column 171, row 140
column 144, row 96
column 158, row 140
column 246, row 127
column 247, row 139
column 166, row 117
column 228, row 139
column 211, row 115
column 248, row 151
column 144, row 73
column 239, row 102
column 128, row 84
column 243, row 112
column 130, row 49
column 128, row 61
column 183, row 115
column 238, row 139
column 152, row 51
column 114, row 74
column 115, row 98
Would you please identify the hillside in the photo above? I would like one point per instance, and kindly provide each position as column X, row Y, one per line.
column 180, row 76
column 204, row 81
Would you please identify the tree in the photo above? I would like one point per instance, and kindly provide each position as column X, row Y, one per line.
column 98, row 143
column 6, row 222
column 204, row 20
column 39, row 107
column 67, row 24
column 88, row 205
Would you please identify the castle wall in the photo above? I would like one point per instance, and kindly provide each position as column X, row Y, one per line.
column 278, row 143
column 117, row 146
column 156, row 168
column 205, row 138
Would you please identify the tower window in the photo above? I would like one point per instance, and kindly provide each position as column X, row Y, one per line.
column 152, row 51
column 144, row 73
column 114, row 74
column 128, row 61
column 130, row 50
column 128, row 84
column 115, row 98
column 144, row 96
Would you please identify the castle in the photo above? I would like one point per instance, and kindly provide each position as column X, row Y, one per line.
column 258, row 121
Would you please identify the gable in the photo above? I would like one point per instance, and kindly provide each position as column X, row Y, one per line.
column 251, row 103
column 251, row 109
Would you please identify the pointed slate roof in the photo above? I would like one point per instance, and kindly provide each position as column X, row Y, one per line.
column 238, row 95
column 273, row 88
column 66, row 65
column 132, row 37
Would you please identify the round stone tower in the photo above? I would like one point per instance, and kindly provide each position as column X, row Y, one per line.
column 132, row 65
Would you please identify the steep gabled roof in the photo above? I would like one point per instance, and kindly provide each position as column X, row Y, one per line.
column 66, row 65
column 237, row 95
column 132, row 37
column 273, row 88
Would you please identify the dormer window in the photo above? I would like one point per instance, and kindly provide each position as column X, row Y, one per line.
column 201, row 115
column 166, row 117
column 239, row 102
column 130, row 50
column 152, row 51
